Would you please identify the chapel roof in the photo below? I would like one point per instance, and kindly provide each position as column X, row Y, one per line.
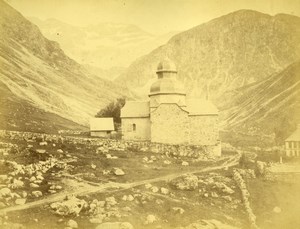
column 135, row 109
column 201, row 107
column 101, row 124
column 167, row 86
column 295, row 136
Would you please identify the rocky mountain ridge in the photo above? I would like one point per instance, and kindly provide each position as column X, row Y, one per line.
column 103, row 45
column 37, row 71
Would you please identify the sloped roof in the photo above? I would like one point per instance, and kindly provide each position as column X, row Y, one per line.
column 294, row 136
column 135, row 109
column 201, row 107
column 101, row 124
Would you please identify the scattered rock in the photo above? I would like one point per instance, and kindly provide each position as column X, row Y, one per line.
column 154, row 189
column 5, row 192
column 118, row 172
column 111, row 201
column 167, row 162
column 43, row 143
column 33, row 185
column 214, row 194
column 96, row 220
column 20, row 201
column 60, row 151
column 93, row 166
column 150, row 219
column 37, row 194
column 164, row 191
column 115, row 225
column 41, row 151
column 72, row 224
column 185, row 182
column 71, row 206
column 277, row 209
column 130, row 198
column 147, row 186
column 185, row 163
column 178, row 210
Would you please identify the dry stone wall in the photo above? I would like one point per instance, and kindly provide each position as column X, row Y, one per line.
column 146, row 146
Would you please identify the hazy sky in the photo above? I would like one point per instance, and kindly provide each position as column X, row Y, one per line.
column 156, row 16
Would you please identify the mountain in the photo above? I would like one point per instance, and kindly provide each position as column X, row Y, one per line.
column 103, row 45
column 39, row 74
column 271, row 106
column 108, row 74
column 226, row 53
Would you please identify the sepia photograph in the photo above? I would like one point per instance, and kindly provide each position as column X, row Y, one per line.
column 149, row 114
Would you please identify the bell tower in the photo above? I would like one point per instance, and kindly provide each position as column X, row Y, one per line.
column 167, row 89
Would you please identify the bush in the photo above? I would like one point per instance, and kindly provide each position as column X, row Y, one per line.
column 112, row 110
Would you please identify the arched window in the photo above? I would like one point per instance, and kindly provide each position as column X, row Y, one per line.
column 134, row 127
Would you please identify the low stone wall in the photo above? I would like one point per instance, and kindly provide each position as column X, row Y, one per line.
column 245, row 197
column 146, row 146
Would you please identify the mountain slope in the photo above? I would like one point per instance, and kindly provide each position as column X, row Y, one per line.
column 270, row 106
column 37, row 71
column 228, row 52
column 103, row 45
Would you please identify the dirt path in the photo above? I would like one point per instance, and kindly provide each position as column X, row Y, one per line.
column 112, row 186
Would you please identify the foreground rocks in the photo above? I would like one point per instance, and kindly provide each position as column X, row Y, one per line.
column 115, row 225
column 186, row 182
column 71, row 206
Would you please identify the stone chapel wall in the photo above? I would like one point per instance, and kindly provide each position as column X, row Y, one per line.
column 204, row 130
column 169, row 125
column 141, row 131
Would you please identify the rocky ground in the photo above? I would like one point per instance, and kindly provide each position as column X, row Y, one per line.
column 58, row 182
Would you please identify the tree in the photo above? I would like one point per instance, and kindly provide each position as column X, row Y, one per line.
column 113, row 109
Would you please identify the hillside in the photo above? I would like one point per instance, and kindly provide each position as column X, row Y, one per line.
column 36, row 71
column 271, row 106
column 228, row 52
column 104, row 45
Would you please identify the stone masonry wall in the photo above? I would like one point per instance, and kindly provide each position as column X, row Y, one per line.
column 169, row 125
column 142, row 131
column 204, row 130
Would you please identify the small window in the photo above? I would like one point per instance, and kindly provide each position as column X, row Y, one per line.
column 134, row 127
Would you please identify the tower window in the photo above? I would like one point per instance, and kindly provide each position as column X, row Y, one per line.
column 134, row 127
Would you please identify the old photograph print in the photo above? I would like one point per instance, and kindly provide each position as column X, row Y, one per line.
column 149, row 114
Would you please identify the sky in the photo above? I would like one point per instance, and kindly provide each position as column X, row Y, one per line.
column 155, row 16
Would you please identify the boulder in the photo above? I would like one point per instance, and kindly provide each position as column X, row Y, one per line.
column 154, row 189
column 118, row 172
column 71, row 206
column 185, row 182
column 37, row 194
column 111, row 201
column 72, row 224
column 20, row 201
column 5, row 192
column 178, row 210
column 277, row 209
column 32, row 185
column 164, row 191
column 150, row 219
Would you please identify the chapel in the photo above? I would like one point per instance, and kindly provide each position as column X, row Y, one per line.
column 168, row 116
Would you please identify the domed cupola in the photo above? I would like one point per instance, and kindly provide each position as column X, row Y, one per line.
column 167, row 89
